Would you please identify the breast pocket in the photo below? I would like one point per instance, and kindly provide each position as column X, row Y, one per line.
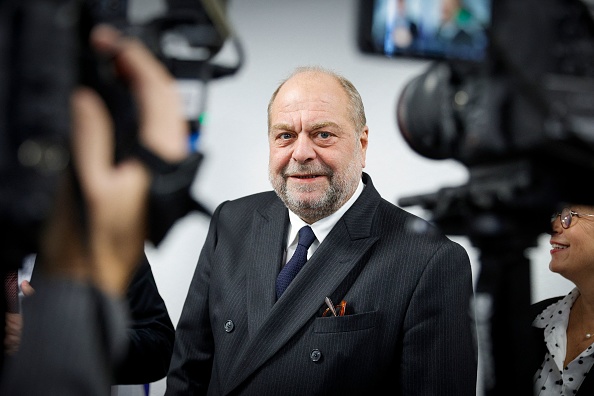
column 340, row 324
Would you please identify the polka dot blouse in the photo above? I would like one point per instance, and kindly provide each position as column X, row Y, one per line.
column 552, row 378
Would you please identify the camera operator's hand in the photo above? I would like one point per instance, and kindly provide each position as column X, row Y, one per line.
column 108, row 247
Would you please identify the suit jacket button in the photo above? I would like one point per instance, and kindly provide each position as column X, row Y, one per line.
column 229, row 326
column 315, row 355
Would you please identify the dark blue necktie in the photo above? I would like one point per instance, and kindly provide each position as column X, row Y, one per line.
column 290, row 270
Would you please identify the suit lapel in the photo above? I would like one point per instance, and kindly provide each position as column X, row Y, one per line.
column 275, row 323
column 268, row 239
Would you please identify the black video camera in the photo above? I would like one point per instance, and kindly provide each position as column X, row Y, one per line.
column 510, row 95
column 44, row 54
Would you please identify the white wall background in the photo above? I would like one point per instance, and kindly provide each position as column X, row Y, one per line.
column 277, row 36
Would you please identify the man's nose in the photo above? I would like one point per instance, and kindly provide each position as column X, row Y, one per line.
column 303, row 149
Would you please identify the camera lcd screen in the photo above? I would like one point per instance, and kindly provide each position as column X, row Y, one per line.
column 432, row 29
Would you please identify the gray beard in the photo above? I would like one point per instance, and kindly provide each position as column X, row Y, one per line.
column 338, row 192
column 312, row 211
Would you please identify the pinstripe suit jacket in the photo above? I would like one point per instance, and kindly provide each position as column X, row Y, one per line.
column 407, row 327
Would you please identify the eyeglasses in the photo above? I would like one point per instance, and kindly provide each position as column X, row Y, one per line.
column 566, row 216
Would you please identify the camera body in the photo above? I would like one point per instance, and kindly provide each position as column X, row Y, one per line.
column 517, row 115
column 44, row 55
column 522, row 98
column 38, row 40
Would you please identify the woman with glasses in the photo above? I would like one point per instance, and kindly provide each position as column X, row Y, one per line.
column 566, row 323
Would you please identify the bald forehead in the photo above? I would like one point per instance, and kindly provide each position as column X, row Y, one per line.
column 310, row 100
column 322, row 87
column 315, row 83
column 312, row 76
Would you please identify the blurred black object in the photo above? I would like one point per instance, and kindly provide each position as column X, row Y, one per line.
column 521, row 120
column 44, row 53
column 526, row 112
column 38, row 45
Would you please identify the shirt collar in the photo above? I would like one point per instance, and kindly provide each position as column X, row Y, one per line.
column 558, row 312
column 554, row 320
column 322, row 227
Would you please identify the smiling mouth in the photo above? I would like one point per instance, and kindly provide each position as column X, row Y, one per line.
column 557, row 246
column 305, row 176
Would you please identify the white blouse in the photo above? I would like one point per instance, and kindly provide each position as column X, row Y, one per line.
column 552, row 378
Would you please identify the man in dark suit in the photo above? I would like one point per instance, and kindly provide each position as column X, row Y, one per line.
column 381, row 303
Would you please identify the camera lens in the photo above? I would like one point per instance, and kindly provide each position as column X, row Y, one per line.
column 424, row 113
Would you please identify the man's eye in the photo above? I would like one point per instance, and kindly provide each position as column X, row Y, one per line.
column 324, row 135
column 285, row 136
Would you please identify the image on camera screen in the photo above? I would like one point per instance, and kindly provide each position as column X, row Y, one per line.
column 432, row 29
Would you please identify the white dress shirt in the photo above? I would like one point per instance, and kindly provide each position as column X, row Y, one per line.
column 321, row 228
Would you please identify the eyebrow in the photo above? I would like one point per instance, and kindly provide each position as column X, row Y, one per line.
column 316, row 126
column 282, row 126
column 323, row 124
